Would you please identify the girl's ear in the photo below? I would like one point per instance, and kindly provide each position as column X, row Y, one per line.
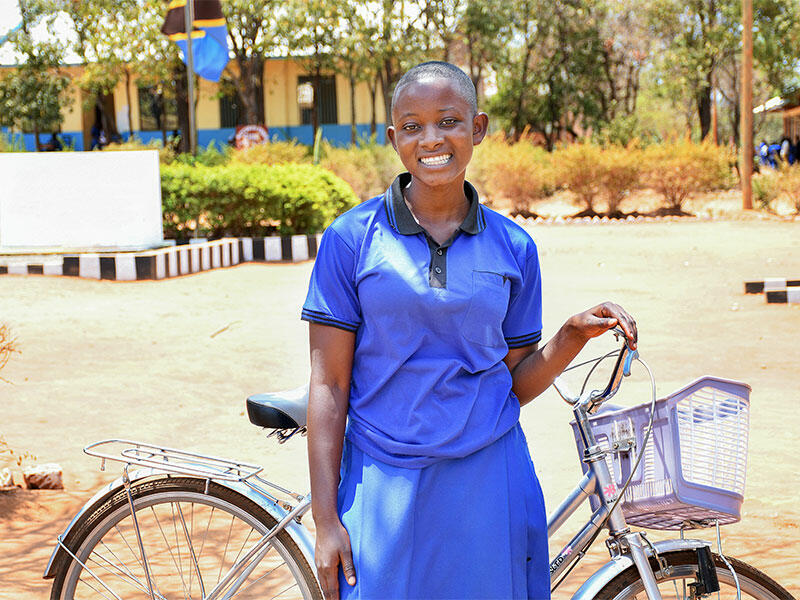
column 480, row 125
column 390, row 134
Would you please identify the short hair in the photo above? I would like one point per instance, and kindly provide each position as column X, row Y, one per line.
column 444, row 70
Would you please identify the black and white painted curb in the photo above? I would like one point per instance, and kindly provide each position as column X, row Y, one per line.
column 777, row 290
column 171, row 261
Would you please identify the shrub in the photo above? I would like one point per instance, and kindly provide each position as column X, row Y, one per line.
column 520, row 173
column 620, row 174
column 765, row 190
column 788, row 186
column 166, row 154
column 7, row 345
column 273, row 153
column 9, row 143
column 678, row 169
column 579, row 168
column 242, row 199
column 384, row 158
column 209, row 156
column 356, row 166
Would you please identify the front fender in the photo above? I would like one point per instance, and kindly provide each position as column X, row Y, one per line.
column 297, row 532
column 617, row 565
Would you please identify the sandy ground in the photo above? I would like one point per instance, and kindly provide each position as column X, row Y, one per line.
column 141, row 360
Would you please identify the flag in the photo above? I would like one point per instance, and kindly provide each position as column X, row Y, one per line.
column 209, row 35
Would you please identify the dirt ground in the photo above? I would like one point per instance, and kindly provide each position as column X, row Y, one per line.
column 172, row 361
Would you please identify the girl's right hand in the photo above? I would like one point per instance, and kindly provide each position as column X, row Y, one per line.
column 333, row 548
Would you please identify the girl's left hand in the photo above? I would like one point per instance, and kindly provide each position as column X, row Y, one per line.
column 601, row 318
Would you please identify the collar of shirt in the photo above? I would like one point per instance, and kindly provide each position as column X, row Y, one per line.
column 403, row 221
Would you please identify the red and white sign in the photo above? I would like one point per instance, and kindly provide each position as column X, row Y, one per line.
column 251, row 135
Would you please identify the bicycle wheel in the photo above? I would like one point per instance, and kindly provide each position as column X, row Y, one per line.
column 191, row 538
column 683, row 572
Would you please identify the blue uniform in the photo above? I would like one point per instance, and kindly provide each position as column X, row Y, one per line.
column 437, row 492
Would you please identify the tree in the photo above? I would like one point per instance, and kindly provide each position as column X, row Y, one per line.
column 550, row 75
column 317, row 31
column 33, row 95
column 256, row 31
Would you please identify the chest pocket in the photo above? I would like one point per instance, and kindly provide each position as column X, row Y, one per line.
column 483, row 322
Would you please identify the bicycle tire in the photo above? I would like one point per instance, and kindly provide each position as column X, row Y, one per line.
column 753, row 583
column 218, row 521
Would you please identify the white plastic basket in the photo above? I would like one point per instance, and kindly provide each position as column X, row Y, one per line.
column 694, row 466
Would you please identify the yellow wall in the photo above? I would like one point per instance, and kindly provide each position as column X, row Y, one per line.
column 280, row 100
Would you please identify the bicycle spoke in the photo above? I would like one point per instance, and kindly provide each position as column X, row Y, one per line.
column 191, row 555
column 225, row 551
column 169, row 548
column 122, row 575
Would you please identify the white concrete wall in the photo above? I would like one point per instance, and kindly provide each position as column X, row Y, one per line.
column 80, row 199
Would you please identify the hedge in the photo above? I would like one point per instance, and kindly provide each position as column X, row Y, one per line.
column 250, row 199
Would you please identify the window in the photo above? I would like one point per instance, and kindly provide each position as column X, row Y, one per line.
column 156, row 112
column 230, row 111
column 326, row 103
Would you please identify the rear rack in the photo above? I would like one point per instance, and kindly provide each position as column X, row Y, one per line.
column 171, row 460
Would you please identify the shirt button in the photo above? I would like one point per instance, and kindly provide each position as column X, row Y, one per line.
column 438, row 270
column 439, row 252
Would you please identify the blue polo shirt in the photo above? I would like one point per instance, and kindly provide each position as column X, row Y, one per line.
column 432, row 323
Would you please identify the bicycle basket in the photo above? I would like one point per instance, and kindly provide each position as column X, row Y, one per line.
column 693, row 469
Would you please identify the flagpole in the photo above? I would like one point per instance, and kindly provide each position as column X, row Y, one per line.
column 188, row 12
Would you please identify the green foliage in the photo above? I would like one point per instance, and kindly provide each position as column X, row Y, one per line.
column 11, row 143
column 272, row 154
column 33, row 95
column 166, row 155
column 209, row 156
column 242, row 199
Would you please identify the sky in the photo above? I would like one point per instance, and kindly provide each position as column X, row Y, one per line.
column 9, row 18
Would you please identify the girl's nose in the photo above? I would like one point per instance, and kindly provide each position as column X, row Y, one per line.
column 431, row 138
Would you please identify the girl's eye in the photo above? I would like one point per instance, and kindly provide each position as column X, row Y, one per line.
column 410, row 127
column 448, row 122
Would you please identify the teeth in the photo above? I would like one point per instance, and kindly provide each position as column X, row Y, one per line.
column 435, row 160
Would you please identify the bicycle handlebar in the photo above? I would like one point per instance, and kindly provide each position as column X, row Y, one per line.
column 595, row 398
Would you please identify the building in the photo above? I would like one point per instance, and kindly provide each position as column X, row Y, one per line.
column 788, row 105
column 217, row 116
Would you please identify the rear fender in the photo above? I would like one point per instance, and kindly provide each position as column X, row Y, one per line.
column 617, row 565
column 297, row 532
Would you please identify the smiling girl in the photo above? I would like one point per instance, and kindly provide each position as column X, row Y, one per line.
column 425, row 321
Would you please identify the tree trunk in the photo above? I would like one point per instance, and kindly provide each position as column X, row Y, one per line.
column 182, row 102
column 36, row 137
column 704, row 108
column 250, row 84
column 373, row 93
column 128, row 98
column 315, row 104
column 353, row 122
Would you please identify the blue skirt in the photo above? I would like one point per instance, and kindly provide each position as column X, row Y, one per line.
column 467, row 528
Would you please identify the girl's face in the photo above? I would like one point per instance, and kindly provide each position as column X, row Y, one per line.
column 435, row 130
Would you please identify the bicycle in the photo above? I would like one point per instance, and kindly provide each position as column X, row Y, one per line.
column 194, row 526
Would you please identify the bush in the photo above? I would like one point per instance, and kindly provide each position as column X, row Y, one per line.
column 520, row 173
column 242, row 199
column 678, row 169
column 356, row 166
column 273, row 153
column 788, row 185
column 9, row 143
column 166, row 154
column 765, row 190
column 579, row 168
column 620, row 175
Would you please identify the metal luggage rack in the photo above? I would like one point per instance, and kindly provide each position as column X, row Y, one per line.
column 171, row 460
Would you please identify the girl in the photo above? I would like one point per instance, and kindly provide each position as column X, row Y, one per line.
column 425, row 321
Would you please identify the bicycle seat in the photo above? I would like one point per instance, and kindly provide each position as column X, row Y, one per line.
column 279, row 410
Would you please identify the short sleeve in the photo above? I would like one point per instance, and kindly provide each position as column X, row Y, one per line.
column 332, row 299
column 523, row 323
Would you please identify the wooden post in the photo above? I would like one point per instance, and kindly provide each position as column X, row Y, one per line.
column 188, row 14
column 746, row 132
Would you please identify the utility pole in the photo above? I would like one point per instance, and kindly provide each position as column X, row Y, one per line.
column 746, row 133
column 188, row 12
